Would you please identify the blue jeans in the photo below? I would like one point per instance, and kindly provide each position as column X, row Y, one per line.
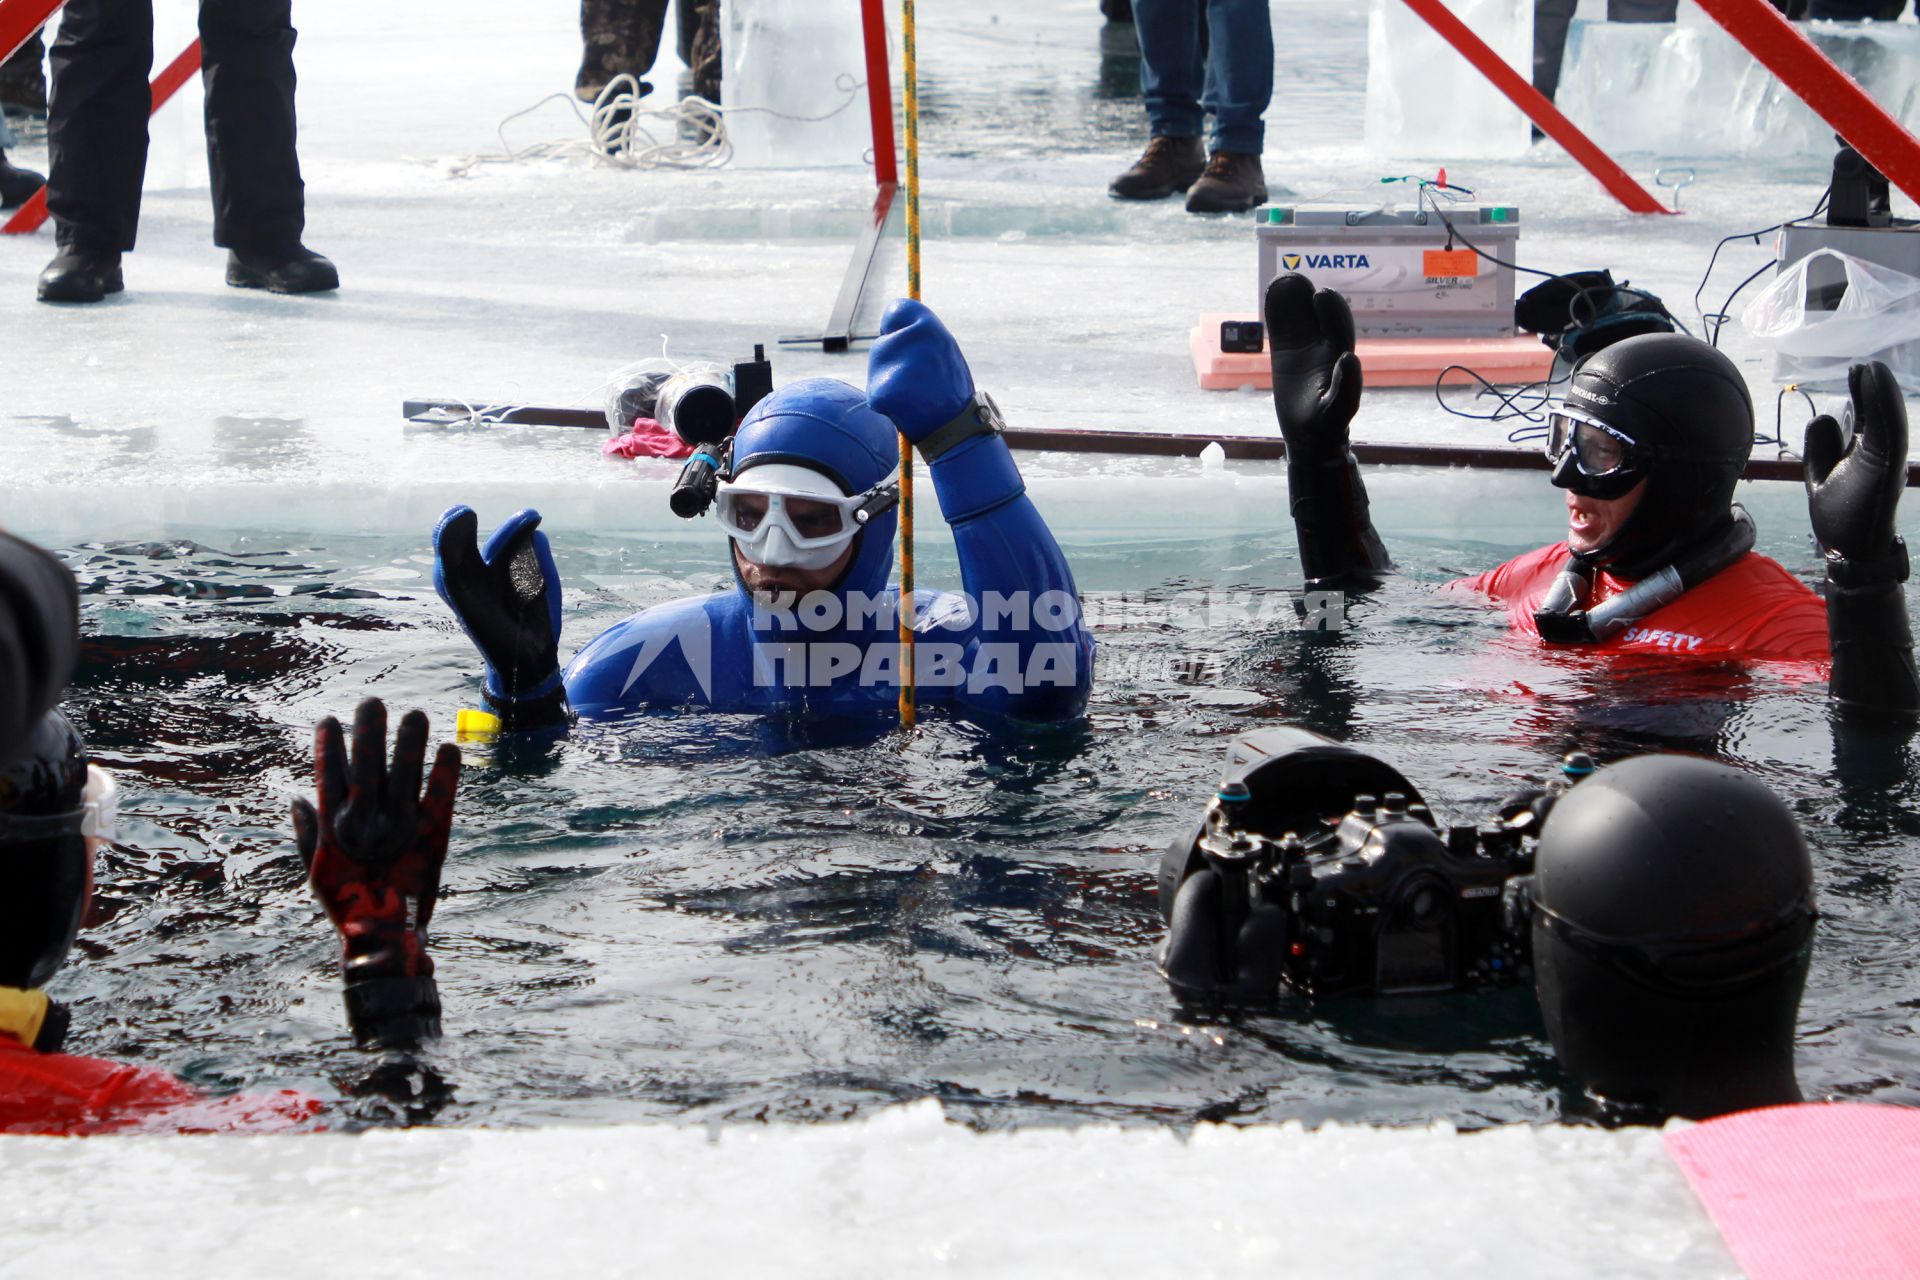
column 1225, row 69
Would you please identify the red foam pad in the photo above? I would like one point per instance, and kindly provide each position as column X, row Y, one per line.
column 1388, row 362
column 1811, row 1191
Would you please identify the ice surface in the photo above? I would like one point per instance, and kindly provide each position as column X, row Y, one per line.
column 1687, row 88
column 794, row 83
column 900, row 1194
column 1425, row 101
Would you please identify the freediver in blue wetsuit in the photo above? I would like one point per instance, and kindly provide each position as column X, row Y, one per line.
column 807, row 499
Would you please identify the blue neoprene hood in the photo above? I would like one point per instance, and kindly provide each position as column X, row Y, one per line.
column 826, row 424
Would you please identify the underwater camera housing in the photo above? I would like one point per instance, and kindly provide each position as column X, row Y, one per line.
column 1328, row 873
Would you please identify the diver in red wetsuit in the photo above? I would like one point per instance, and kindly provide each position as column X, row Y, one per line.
column 1649, row 443
column 373, row 848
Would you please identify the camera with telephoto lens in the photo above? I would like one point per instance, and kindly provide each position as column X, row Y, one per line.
column 1320, row 868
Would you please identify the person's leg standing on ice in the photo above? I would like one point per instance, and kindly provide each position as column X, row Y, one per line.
column 96, row 144
column 23, row 92
column 259, row 200
column 17, row 185
column 699, row 45
column 1173, row 74
column 1239, row 85
column 617, row 37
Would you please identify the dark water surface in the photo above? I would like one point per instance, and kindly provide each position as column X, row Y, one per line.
column 666, row 919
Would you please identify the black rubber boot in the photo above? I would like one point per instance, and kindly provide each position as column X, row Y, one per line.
column 1233, row 183
column 78, row 275
column 17, row 185
column 1168, row 165
column 297, row 270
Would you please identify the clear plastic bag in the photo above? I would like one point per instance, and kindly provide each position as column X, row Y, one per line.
column 1830, row 310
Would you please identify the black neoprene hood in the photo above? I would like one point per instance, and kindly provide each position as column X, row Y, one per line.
column 1686, row 408
column 1669, row 847
column 1672, row 928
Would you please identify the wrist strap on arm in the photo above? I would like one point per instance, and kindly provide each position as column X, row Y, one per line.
column 979, row 417
column 1890, row 566
column 549, row 708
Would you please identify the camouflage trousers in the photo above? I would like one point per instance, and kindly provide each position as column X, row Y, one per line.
column 622, row 37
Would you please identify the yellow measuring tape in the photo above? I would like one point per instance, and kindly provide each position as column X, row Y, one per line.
column 907, row 610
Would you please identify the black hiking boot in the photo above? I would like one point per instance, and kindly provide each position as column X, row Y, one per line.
column 79, row 275
column 295, row 270
column 1233, row 183
column 1168, row 165
column 17, row 185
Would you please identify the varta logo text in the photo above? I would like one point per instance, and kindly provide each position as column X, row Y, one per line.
column 1325, row 261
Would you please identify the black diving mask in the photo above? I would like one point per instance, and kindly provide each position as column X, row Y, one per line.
column 96, row 817
column 1694, row 965
column 1589, row 456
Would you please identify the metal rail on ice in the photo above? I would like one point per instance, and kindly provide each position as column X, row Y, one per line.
column 1136, row 443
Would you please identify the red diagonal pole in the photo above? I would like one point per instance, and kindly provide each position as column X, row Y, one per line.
column 29, row 217
column 1534, row 103
column 19, row 19
column 1785, row 50
column 873, row 25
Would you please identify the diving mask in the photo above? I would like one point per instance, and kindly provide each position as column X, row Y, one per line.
column 792, row 517
column 1589, row 456
column 97, row 816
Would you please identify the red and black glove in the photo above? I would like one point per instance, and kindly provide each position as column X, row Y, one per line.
column 374, row 848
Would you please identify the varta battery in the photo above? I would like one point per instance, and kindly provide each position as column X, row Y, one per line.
column 1401, row 271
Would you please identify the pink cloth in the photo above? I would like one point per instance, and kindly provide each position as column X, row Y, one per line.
column 648, row 439
column 1811, row 1191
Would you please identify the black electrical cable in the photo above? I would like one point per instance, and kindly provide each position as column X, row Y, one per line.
column 1510, row 400
column 1509, row 395
column 1712, row 322
column 1723, row 314
column 1580, row 291
column 1779, row 436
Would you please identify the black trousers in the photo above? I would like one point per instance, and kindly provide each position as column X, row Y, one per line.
column 97, row 122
